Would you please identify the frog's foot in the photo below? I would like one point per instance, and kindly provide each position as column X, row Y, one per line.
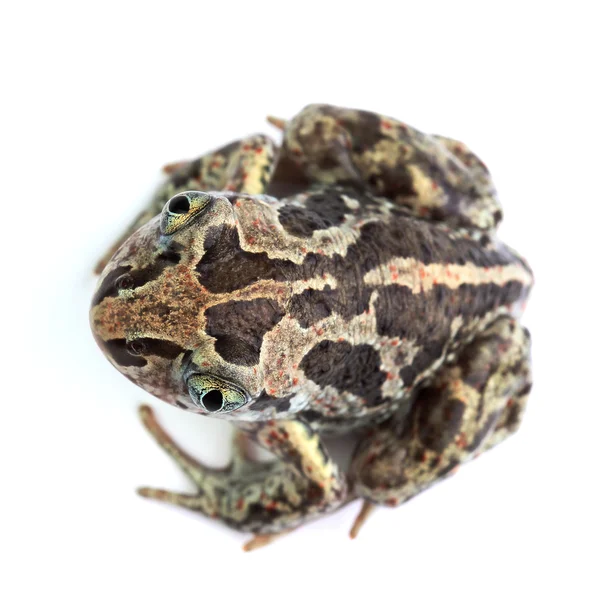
column 470, row 406
column 262, row 498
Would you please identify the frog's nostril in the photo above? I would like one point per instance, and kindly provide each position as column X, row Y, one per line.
column 213, row 401
column 179, row 205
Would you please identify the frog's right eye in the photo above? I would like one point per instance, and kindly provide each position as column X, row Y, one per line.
column 181, row 209
column 124, row 282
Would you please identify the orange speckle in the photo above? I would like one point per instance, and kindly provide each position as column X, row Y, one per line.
column 386, row 125
column 295, row 381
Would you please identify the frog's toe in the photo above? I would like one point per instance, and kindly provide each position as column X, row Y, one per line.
column 190, row 501
column 277, row 122
column 365, row 511
column 263, row 539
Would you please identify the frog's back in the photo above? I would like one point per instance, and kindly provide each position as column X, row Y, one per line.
column 381, row 299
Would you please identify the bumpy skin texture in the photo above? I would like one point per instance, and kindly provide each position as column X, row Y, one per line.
column 349, row 280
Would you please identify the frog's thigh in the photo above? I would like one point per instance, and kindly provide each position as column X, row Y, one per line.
column 434, row 177
column 468, row 408
column 243, row 166
column 257, row 497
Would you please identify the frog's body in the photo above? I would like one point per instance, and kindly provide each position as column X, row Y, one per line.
column 374, row 292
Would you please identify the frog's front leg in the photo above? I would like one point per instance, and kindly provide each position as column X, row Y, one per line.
column 244, row 166
column 262, row 498
column 471, row 406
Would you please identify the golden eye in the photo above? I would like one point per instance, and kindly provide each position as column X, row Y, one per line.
column 215, row 395
column 181, row 209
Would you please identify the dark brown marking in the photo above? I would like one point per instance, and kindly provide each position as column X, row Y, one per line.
column 312, row 305
column 138, row 277
column 329, row 206
column 225, row 267
column 299, row 222
column 345, row 367
column 121, row 350
column 427, row 316
column 239, row 327
column 121, row 355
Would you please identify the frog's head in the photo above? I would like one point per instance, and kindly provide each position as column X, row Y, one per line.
column 182, row 309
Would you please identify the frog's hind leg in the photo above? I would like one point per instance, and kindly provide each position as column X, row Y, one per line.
column 433, row 177
column 244, row 166
column 469, row 407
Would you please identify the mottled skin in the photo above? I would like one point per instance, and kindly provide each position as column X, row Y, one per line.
column 349, row 280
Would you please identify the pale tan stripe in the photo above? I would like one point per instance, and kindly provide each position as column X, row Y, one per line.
column 420, row 277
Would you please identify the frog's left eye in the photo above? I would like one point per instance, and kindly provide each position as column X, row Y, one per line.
column 215, row 395
column 181, row 209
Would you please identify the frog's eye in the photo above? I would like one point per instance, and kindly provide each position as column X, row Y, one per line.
column 124, row 282
column 181, row 209
column 215, row 395
column 136, row 347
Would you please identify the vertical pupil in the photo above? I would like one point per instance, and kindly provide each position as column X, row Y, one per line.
column 179, row 205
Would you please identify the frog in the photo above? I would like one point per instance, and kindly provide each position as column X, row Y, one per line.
column 349, row 280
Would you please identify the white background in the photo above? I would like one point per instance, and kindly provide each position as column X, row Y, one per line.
column 97, row 96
